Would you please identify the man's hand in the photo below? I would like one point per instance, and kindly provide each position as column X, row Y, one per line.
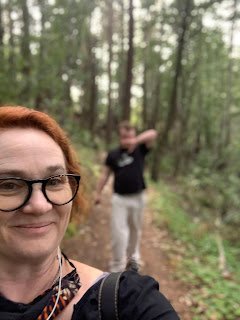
column 97, row 198
column 129, row 144
column 106, row 171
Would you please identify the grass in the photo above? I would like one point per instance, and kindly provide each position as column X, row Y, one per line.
column 214, row 297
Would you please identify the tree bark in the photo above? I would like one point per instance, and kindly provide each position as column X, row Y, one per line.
column 93, row 93
column 11, row 60
column 39, row 100
column 109, row 70
column 155, row 112
column 25, row 51
column 226, row 122
column 122, row 61
column 144, row 87
column 1, row 25
column 129, row 75
column 163, row 140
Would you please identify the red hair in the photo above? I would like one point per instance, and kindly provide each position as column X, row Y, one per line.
column 22, row 117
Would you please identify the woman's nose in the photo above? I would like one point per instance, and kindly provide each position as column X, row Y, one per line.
column 37, row 204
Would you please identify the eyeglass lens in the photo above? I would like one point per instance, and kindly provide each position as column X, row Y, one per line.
column 59, row 190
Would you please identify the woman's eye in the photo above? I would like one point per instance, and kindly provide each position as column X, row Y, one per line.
column 9, row 186
column 55, row 182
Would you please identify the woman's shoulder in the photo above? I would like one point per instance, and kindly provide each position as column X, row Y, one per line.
column 88, row 275
column 86, row 270
column 138, row 298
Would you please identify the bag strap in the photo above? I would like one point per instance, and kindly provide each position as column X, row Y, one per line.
column 108, row 297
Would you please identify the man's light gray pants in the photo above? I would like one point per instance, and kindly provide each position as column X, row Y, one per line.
column 127, row 214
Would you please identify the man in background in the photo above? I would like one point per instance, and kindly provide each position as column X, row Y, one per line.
column 128, row 200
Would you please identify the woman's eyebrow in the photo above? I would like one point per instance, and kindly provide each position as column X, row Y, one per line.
column 12, row 173
column 20, row 173
column 52, row 169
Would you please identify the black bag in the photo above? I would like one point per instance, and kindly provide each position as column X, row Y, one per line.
column 108, row 293
column 108, row 297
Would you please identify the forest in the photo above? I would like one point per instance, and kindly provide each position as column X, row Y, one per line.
column 172, row 65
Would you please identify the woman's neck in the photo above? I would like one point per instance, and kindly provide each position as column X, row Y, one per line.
column 23, row 282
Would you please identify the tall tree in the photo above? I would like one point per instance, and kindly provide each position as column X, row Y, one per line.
column 226, row 119
column 93, row 86
column 1, row 25
column 2, row 66
column 11, row 60
column 185, row 12
column 109, row 71
column 25, row 51
column 129, row 72
column 144, row 87
column 39, row 99
column 121, row 58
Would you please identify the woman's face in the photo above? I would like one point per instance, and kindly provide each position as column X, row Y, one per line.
column 35, row 230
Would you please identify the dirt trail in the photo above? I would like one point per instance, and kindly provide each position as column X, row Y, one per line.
column 92, row 246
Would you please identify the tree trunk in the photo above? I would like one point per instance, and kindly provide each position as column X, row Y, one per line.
column 226, row 126
column 90, row 86
column 93, row 94
column 109, row 70
column 1, row 25
column 173, row 100
column 25, row 51
column 39, row 100
column 156, row 107
column 197, row 145
column 197, row 141
column 144, row 87
column 70, row 57
column 154, row 120
column 155, row 113
column 127, row 100
column 122, row 62
column 11, row 60
column 2, row 62
column 188, row 92
column 162, row 142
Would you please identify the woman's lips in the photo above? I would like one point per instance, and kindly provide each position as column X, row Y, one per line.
column 36, row 228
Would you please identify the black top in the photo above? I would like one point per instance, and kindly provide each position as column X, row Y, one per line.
column 128, row 169
column 138, row 299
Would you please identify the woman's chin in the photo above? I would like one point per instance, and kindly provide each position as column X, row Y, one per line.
column 34, row 252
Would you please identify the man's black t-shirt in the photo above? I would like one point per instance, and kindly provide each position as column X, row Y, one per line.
column 128, row 169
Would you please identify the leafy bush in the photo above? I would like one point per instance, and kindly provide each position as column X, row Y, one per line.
column 212, row 193
column 213, row 296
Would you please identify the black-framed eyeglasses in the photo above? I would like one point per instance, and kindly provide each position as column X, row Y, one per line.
column 58, row 190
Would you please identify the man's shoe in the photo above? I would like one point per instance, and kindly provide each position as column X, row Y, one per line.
column 132, row 265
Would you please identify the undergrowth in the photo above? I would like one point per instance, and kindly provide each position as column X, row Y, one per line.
column 89, row 171
column 213, row 296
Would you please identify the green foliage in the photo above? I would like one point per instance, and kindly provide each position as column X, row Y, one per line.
column 89, row 172
column 213, row 296
column 72, row 230
column 85, row 138
column 212, row 190
column 88, row 161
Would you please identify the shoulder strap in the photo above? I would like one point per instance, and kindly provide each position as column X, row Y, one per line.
column 108, row 297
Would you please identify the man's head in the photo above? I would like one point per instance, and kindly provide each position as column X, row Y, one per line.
column 126, row 131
